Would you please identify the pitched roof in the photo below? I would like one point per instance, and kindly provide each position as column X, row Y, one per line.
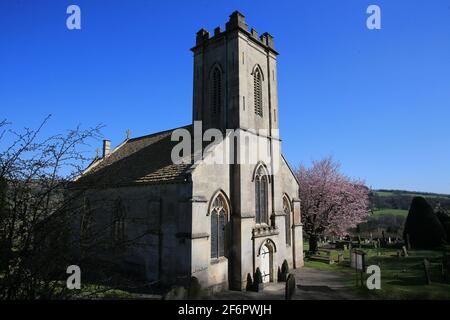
column 139, row 160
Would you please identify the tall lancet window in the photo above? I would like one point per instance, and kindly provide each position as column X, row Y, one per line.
column 118, row 224
column 219, row 217
column 261, row 198
column 287, row 212
column 87, row 220
column 257, row 91
column 216, row 91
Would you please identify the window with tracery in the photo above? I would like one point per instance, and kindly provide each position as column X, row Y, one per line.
column 86, row 224
column 118, row 223
column 261, row 196
column 288, row 227
column 219, row 218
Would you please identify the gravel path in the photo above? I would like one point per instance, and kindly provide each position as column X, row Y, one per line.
column 312, row 284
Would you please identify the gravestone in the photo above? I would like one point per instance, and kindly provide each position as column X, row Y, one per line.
column 350, row 249
column 353, row 258
column 340, row 257
column 445, row 266
column 404, row 252
column 194, row 290
column 290, row 287
column 177, row 293
column 426, row 268
column 408, row 243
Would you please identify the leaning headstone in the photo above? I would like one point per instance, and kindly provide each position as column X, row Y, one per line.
column 426, row 268
column 404, row 252
column 290, row 287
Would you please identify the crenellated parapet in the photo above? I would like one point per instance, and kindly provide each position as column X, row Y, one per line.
column 235, row 23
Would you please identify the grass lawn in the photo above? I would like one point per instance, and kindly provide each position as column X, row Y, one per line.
column 390, row 212
column 91, row 291
column 401, row 278
column 404, row 278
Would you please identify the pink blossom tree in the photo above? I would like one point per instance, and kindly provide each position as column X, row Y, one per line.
column 330, row 201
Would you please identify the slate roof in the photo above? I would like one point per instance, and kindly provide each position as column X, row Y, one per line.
column 139, row 160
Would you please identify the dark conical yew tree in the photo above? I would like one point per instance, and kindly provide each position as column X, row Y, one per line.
column 423, row 226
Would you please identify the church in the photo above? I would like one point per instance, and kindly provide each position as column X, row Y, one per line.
column 217, row 222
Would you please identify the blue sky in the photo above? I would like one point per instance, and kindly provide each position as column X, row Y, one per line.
column 378, row 101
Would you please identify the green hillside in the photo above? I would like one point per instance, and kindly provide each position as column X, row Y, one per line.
column 401, row 199
column 390, row 208
column 393, row 193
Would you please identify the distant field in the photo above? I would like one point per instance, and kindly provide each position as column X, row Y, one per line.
column 386, row 193
column 392, row 212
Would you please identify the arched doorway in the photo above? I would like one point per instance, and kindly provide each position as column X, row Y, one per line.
column 266, row 258
column 265, row 263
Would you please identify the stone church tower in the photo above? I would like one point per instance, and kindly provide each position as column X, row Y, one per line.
column 235, row 87
column 217, row 222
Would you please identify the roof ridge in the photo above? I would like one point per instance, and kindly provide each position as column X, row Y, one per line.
column 157, row 133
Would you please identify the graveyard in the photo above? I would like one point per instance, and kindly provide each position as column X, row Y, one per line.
column 405, row 274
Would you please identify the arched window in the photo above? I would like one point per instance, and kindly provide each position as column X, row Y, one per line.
column 86, row 225
column 118, row 223
column 261, row 198
column 216, row 91
column 257, row 92
column 219, row 218
column 287, row 212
